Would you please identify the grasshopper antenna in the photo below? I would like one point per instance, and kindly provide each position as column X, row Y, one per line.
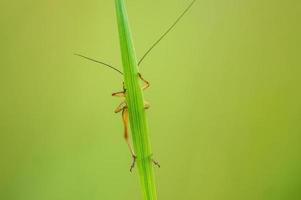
column 166, row 32
column 91, row 59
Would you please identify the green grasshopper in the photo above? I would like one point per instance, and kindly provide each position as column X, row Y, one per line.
column 123, row 107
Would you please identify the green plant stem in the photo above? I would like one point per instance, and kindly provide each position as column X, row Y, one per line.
column 135, row 102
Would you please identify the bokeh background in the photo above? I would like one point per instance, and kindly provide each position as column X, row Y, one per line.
column 225, row 100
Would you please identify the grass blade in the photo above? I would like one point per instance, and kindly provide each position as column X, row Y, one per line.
column 134, row 98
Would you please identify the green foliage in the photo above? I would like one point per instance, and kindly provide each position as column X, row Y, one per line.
column 134, row 98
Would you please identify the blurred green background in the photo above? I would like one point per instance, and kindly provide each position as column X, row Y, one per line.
column 225, row 100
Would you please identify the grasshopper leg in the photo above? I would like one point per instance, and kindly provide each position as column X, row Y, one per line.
column 125, row 119
column 147, row 84
column 121, row 107
column 118, row 94
column 156, row 163
column 146, row 105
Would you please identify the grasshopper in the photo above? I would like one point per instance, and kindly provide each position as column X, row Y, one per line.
column 122, row 107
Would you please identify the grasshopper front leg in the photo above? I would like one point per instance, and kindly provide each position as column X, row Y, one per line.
column 147, row 84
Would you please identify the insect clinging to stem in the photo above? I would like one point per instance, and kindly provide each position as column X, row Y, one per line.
column 123, row 106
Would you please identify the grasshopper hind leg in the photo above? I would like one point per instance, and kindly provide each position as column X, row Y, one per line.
column 125, row 119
